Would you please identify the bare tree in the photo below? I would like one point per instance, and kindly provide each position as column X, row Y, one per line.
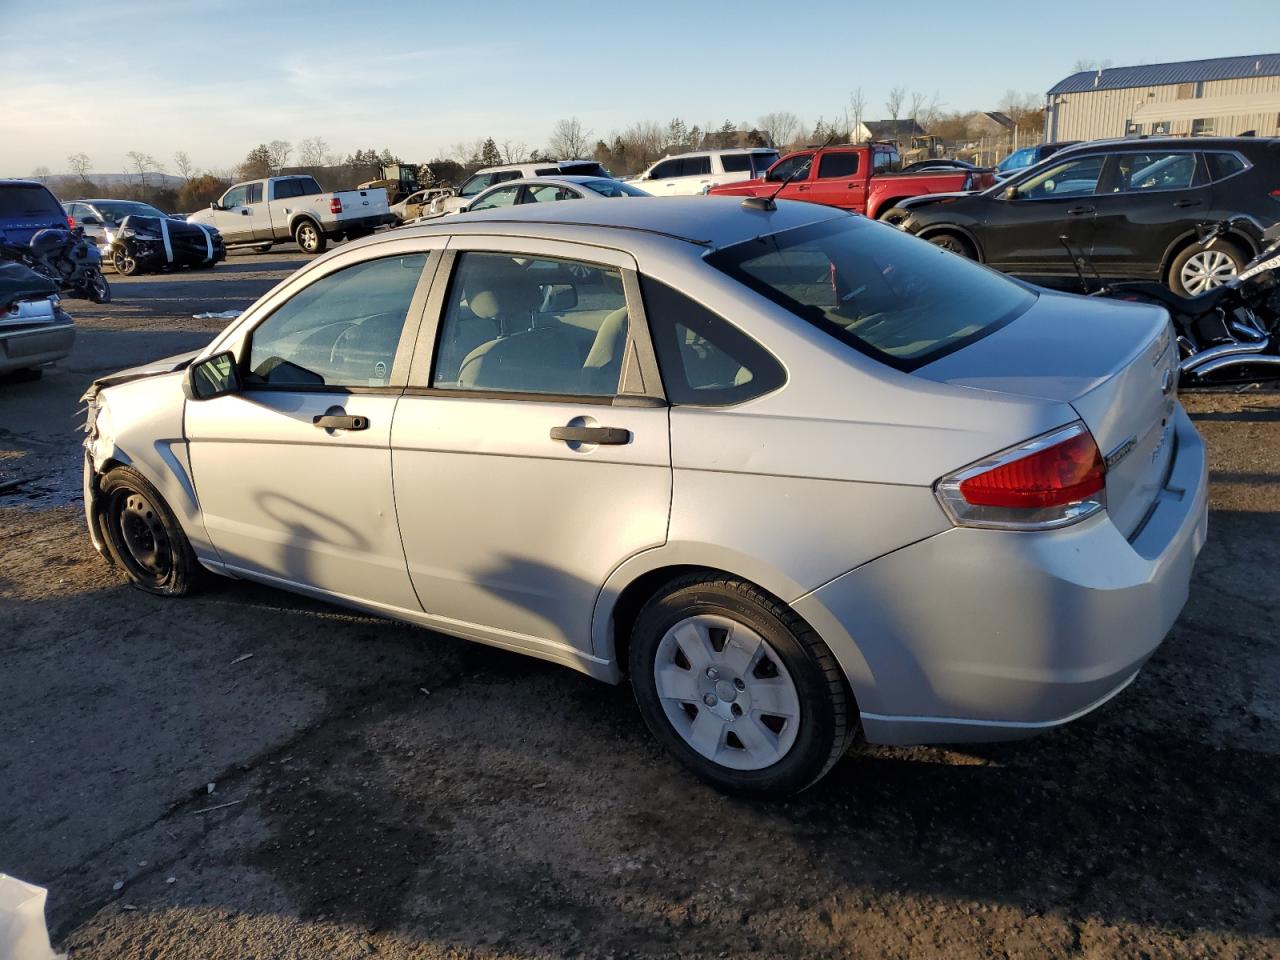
column 182, row 163
column 569, row 140
column 513, row 152
column 857, row 108
column 79, row 163
column 781, row 126
column 41, row 173
column 1087, row 66
column 142, row 163
column 280, row 150
column 312, row 152
column 893, row 103
column 467, row 151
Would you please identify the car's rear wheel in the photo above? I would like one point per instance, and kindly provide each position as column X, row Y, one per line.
column 1198, row 269
column 739, row 687
column 308, row 236
column 263, row 247
column 953, row 243
column 144, row 537
column 894, row 215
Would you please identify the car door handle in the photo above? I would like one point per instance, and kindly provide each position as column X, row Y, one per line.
column 610, row 435
column 328, row 422
column 1079, row 211
column 1187, row 203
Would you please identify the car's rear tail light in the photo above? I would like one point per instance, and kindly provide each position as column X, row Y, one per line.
column 1275, row 194
column 335, row 205
column 71, row 222
column 1053, row 480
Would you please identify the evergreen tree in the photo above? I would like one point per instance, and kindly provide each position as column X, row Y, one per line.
column 489, row 155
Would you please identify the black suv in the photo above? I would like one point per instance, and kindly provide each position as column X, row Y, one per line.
column 1133, row 207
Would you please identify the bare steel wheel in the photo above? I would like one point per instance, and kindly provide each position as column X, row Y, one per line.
column 738, row 687
column 726, row 692
column 1205, row 270
column 143, row 536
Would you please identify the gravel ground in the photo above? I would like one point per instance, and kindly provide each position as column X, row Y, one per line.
column 359, row 788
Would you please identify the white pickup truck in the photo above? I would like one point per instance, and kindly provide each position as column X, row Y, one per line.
column 259, row 213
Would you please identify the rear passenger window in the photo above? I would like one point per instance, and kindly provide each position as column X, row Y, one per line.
column 1142, row 172
column 704, row 359
column 837, row 165
column 667, row 168
column 695, row 166
column 287, row 188
column 736, row 162
column 540, row 326
column 1223, row 165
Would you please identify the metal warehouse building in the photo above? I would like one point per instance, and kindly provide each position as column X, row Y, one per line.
column 1225, row 97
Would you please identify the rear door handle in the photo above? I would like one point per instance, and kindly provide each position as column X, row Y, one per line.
column 1079, row 211
column 326, row 422
column 1187, row 203
column 610, row 435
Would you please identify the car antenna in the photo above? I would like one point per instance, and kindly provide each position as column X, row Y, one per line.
column 766, row 203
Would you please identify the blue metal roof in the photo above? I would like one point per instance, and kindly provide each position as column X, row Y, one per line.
column 1159, row 74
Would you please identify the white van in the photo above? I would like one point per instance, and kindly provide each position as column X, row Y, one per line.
column 693, row 173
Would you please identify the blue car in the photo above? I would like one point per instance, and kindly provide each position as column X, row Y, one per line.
column 27, row 207
column 1030, row 156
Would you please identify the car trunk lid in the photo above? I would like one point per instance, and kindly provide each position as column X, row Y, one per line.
column 1115, row 363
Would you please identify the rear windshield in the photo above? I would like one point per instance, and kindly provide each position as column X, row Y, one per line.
column 891, row 296
column 584, row 169
column 29, row 200
column 614, row 188
column 113, row 211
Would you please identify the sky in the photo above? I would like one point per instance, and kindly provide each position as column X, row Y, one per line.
column 216, row 77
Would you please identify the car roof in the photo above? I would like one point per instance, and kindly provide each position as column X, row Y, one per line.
column 706, row 221
column 571, row 178
column 17, row 182
column 1181, row 143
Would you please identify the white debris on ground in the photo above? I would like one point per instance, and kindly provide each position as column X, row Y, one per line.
column 220, row 315
column 23, row 934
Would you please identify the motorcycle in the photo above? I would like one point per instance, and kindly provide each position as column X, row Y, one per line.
column 1229, row 334
column 66, row 258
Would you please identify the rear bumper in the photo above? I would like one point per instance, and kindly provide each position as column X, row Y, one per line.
column 991, row 635
column 33, row 348
column 359, row 225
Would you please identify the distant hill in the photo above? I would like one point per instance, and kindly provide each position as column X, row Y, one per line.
column 162, row 181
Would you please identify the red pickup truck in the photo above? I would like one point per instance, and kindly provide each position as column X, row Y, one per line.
column 864, row 178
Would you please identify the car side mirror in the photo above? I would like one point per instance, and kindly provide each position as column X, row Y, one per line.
column 1011, row 193
column 213, row 377
column 558, row 297
column 213, row 205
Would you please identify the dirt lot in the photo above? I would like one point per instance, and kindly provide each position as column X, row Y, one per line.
column 393, row 793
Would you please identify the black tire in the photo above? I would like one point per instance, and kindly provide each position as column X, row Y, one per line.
column 893, row 215
column 263, row 247
column 827, row 721
column 309, row 237
column 98, row 289
column 125, row 265
column 1175, row 276
column 133, row 515
column 888, row 208
column 954, row 243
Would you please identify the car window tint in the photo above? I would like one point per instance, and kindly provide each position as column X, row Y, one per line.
column 841, row 164
column 1223, row 165
column 736, row 162
column 341, row 331
column 537, row 326
column 287, row 188
column 546, row 172
column 876, row 288
column 545, row 192
column 797, row 168
column 695, row 166
column 1140, row 172
column 502, row 176
column 234, row 197
column 760, row 162
column 23, row 200
column 253, row 193
column 502, row 197
column 667, row 168
column 1070, row 178
column 704, row 359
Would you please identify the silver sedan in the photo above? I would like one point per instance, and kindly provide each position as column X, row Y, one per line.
column 795, row 474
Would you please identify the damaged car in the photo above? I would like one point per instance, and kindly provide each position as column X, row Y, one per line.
column 34, row 329
column 145, row 244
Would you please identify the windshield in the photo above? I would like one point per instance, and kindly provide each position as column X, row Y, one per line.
column 25, row 200
column 116, row 210
column 892, row 296
column 614, row 188
column 760, row 162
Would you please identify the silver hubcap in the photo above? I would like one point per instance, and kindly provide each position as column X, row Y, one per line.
column 308, row 237
column 1206, row 270
column 726, row 692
